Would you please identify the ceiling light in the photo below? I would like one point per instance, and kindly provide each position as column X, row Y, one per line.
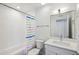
column 18, row 7
column 43, row 3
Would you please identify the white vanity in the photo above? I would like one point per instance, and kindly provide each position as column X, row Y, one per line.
column 55, row 46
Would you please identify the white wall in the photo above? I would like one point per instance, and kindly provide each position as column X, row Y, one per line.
column 43, row 14
column 77, row 22
column 12, row 28
column 77, row 25
column 33, row 13
column 43, row 21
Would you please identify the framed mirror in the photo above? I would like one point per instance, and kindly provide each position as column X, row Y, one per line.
column 63, row 25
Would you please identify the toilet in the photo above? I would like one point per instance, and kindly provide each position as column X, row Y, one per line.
column 36, row 50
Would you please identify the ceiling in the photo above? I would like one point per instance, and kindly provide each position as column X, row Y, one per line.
column 25, row 7
column 61, row 5
column 29, row 7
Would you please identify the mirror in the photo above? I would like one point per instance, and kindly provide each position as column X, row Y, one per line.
column 62, row 25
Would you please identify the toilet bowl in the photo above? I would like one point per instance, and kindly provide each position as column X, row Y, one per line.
column 39, row 46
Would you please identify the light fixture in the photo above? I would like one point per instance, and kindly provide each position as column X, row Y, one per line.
column 65, row 9
column 60, row 10
column 18, row 7
column 55, row 11
column 43, row 3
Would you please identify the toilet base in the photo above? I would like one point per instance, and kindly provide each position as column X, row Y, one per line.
column 34, row 51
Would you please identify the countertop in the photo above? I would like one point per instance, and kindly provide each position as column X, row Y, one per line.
column 67, row 43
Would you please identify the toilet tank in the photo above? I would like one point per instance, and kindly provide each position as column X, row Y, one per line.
column 39, row 44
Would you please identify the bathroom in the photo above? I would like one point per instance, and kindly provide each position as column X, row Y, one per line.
column 39, row 29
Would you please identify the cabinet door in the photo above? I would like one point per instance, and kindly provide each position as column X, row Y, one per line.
column 58, row 51
column 47, row 52
column 67, row 52
column 51, row 48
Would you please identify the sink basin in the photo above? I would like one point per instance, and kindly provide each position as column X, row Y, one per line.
column 61, row 43
column 66, row 44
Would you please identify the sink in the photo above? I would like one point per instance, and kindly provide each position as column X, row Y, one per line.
column 61, row 43
column 66, row 44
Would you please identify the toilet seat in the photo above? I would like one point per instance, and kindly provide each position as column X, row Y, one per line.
column 34, row 51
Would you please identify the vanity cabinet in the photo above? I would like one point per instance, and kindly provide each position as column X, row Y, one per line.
column 53, row 50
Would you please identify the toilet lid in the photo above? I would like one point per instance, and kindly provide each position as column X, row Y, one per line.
column 34, row 51
column 39, row 40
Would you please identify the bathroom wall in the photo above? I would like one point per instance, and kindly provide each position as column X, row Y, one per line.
column 77, row 25
column 43, row 14
column 12, row 30
column 33, row 12
column 77, row 22
column 43, row 21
